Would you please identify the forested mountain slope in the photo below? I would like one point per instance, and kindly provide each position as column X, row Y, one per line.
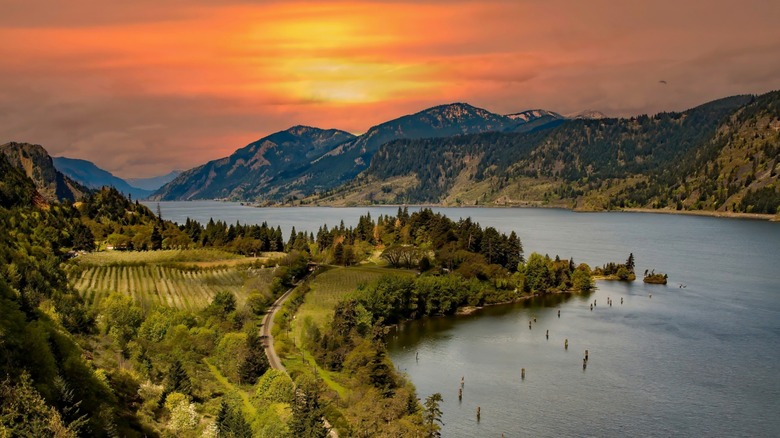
column 718, row 156
column 250, row 172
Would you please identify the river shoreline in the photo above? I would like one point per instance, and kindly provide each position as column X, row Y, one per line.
column 709, row 213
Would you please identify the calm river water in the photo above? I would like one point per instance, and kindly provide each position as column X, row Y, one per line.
column 696, row 361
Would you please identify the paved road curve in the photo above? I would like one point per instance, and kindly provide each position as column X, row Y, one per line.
column 268, row 322
column 273, row 358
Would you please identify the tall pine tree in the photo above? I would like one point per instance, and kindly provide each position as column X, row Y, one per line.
column 256, row 363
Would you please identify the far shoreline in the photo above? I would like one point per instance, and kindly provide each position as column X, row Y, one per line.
column 706, row 213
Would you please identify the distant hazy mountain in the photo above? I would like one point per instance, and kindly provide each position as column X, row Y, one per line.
column 38, row 166
column 250, row 172
column 88, row 174
column 154, row 182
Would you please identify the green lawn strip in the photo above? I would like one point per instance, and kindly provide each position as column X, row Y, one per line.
column 249, row 409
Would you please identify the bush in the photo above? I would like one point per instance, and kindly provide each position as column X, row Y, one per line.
column 275, row 387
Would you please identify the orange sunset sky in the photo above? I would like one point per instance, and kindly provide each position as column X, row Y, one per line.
column 142, row 87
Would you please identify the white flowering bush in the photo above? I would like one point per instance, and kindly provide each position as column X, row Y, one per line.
column 182, row 413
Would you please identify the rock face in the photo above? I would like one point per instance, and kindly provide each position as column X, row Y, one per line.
column 39, row 167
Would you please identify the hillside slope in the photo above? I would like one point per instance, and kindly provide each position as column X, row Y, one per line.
column 249, row 172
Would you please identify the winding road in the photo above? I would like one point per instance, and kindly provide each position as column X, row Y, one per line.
column 268, row 322
column 273, row 358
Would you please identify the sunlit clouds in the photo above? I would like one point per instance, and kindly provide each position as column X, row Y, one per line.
column 143, row 87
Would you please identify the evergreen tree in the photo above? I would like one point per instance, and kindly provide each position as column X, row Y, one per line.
column 156, row 239
column 307, row 413
column 256, row 363
column 630, row 262
column 231, row 422
column 338, row 254
column 432, row 414
column 177, row 380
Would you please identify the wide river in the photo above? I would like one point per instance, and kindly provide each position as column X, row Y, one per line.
column 698, row 360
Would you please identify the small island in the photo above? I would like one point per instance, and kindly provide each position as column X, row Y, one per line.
column 653, row 278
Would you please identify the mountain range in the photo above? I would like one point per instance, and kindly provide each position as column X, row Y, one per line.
column 302, row 160
column 721, row 156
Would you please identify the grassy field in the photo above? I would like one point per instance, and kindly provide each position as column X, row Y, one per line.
column 167, row 278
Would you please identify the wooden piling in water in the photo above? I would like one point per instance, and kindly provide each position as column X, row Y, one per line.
column 547, row 334
column 559, row 313
column 586, row 355
column 522, row 373
column 566, row 344
column 479, row 412
column 460, row 394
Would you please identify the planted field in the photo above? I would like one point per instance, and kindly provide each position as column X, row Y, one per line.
column 153, row 279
